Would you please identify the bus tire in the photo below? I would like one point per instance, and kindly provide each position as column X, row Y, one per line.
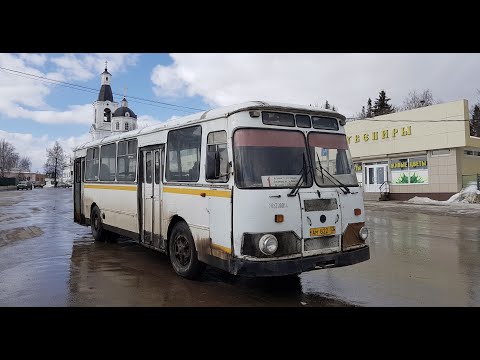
column 182, row 252
column 96, row 224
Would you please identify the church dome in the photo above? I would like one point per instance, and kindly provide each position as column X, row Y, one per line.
column 124, row 111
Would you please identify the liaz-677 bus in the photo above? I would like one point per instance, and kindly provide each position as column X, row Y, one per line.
column 256, row 189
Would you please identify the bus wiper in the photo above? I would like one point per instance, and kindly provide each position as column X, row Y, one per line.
column 300, row 181
column 321, row 168
column 341, row 185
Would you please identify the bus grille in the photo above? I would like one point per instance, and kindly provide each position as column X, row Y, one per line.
column 320, row 204
column 319, row 243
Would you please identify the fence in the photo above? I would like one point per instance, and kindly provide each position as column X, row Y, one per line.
column 473, row 179
column 7, row 181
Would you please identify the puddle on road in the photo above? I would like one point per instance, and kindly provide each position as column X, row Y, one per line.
column 21, row 233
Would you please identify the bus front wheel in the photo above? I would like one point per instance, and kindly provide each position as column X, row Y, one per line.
column 182, row 252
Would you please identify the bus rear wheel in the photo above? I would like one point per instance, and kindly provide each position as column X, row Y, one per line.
column 96, row 224
column 182, row 252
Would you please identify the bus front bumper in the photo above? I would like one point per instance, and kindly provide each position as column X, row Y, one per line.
column 299, row 265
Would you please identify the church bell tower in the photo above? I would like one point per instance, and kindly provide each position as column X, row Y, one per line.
column 104, row 108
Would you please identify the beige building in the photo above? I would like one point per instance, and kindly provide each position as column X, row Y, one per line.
column 20, row 175
column 421, row 152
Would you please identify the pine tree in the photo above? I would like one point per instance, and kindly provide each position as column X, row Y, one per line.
column 382, row 106
column 327, row 105
column 475, row 121
column 369, row 112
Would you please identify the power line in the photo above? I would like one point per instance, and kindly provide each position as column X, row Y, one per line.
column 169, row 106
column 92, row 90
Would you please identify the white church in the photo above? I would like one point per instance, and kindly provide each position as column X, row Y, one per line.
column 110, row 118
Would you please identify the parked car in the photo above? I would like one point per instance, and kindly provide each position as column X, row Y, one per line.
column 38, row 184
column 64, row 185
column 24, row 185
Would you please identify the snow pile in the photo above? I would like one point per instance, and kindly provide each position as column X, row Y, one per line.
column 469, row 195
column 423, row 200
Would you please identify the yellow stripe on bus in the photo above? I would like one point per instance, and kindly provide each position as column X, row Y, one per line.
column 222, row 248
column 185, row 191
column 190, row 191
column 110, row 187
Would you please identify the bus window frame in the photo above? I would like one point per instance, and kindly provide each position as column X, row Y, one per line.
column 86, row 163
column 115, row 164
column 135, row 181
column 206, row 154
column 268, row 127
column 167, row 163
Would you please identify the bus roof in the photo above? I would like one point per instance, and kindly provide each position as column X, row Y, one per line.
column 219, row 112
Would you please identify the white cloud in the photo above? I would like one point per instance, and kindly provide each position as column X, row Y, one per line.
column 35, row 147
column 147, row 120
column 168, row 82
column 76, row 114
column 34, row 59
column 86, row 66
column 345, row 80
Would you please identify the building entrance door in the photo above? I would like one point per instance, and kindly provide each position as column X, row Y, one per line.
column 375, row 176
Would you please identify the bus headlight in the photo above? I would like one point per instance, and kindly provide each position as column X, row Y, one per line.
column 268, row 244
column 363, row 233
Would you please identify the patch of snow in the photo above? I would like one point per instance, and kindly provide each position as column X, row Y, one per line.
column 422, row 200
column 468, row 195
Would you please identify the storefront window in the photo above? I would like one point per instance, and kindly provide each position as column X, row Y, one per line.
column 407, row 171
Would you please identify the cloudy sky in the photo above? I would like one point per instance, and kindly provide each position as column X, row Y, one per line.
column 34, row 112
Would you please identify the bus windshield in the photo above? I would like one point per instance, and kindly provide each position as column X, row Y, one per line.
column 267, row 158
column 331, row 152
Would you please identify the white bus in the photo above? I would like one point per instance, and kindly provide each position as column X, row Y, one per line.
column 256, row 189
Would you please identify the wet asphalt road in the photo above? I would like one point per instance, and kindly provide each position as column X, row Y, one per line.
column 417, row 259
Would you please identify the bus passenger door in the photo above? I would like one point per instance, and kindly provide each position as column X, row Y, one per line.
column 151, row 190
column 77, row 192
column 147, row 191
column 158, row 156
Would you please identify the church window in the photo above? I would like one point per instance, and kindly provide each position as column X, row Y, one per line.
column 107, row 114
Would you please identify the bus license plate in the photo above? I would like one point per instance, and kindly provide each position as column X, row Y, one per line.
column 321, row 231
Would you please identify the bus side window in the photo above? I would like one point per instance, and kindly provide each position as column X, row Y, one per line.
column 91, row 167
column 107, row 162
column 127, row 160
column 183, row 154
column 217, row 157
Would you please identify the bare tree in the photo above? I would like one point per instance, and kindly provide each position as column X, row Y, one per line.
column 8, row 157
column 25, row 164
column 416, row 100
column 362, row 114
column 324, row 106
column 56, row 160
